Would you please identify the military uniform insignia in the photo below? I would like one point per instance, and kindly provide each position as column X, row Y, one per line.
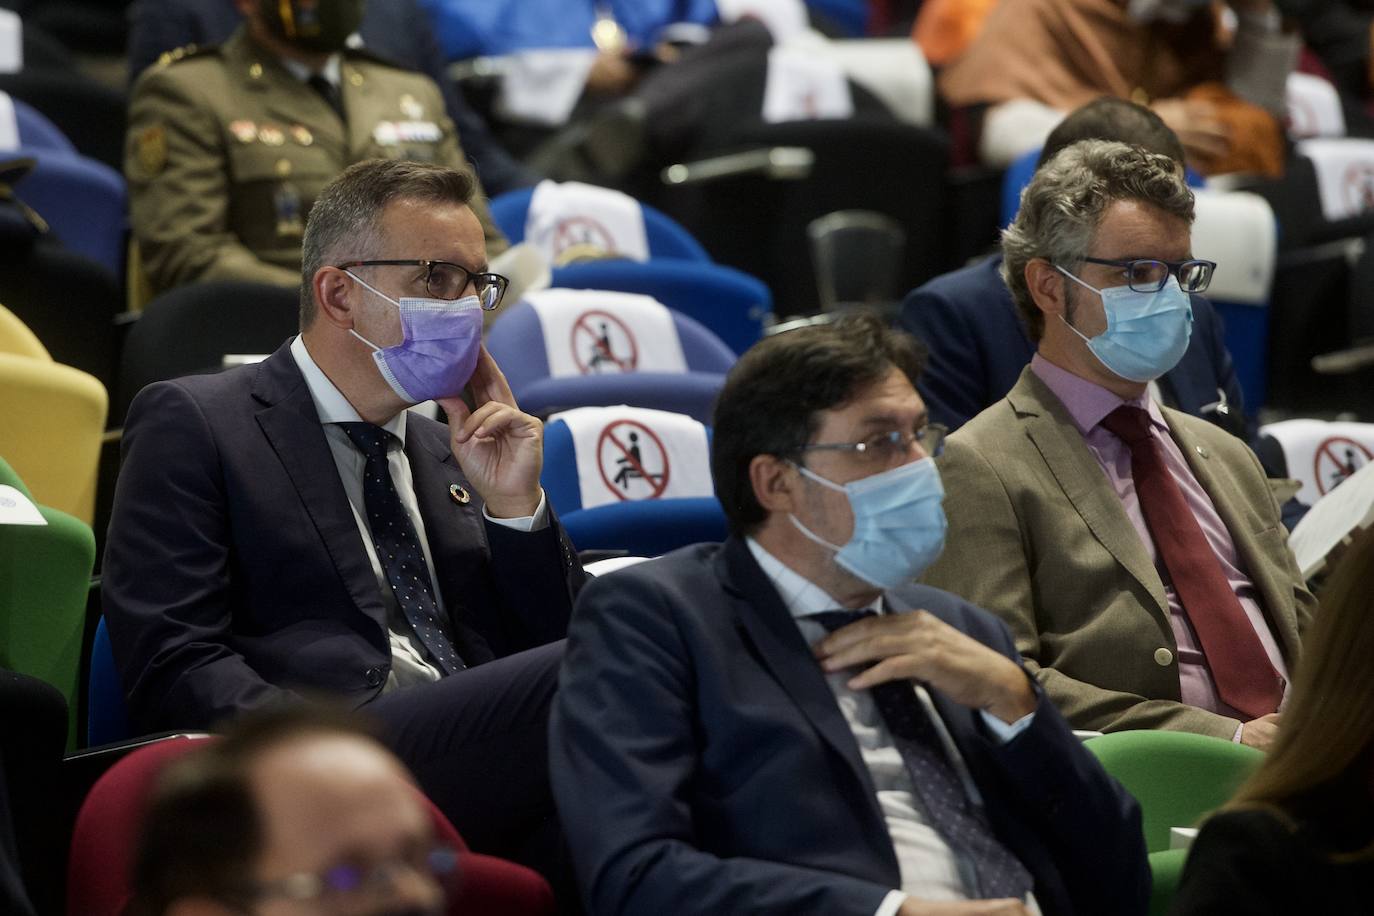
column 302, row 135
column 287, row 202
column 283, row 167
column 386, row 133
column 244, row 131
column 271, row 135
column 152, row 149
column 419, row 132
column 411, row 107
column 170, row 57
column 355, row 77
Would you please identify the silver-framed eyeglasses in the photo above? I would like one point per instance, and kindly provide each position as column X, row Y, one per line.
column 345, row 885
column 446, row 280
column 885, row 448
column 1148, row 275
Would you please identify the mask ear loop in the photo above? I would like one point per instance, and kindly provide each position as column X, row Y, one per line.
column 370, row 288
column 1084, row 337
column 796, row 522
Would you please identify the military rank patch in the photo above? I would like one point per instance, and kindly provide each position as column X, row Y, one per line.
column 244, row 131
column 151, row 147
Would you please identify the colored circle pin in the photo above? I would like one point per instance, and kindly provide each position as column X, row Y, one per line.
column 458, row 494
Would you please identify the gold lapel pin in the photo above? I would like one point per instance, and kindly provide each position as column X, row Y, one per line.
column 458, row 494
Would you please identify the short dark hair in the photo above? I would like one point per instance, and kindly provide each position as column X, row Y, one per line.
column 344, row 220
column 202, row 832
column 1110, row 118
column 773, row 395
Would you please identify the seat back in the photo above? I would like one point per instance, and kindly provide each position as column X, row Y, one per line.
column 84, row 202
column 50, row 431
column 1322, row 454
column 666, row 238
column 17, row 339
column 857, row 255
column 109, row 821
column 1177, row 777
column 190, row 329
column 36, row 131
column 91, row 115
column 107, row 714
column 45, row 573
column 1238, row 231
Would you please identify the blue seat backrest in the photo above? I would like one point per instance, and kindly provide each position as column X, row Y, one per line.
column 107, row 717
column 85, row 202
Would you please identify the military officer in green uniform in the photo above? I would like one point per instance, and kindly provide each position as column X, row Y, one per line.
column 228, row 146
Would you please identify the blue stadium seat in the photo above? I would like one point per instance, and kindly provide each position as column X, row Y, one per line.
column 516, row 340
column 667, row 238
column 85, row 202
column 107, row 718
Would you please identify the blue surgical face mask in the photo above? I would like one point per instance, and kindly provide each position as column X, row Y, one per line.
column 1147, row 333
column 438, row 352
column 899, row 523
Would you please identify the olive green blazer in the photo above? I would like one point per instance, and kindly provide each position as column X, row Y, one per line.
column 227, row 151
column 1038, row 536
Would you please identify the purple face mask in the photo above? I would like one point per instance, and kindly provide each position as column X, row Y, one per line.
column 438, row 352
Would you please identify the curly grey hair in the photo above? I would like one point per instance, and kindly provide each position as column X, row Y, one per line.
column 1064, row 203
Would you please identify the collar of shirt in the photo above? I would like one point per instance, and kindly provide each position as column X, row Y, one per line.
column 332, row 69
column 330, row 403
column 802, row 596
column 1087, row 402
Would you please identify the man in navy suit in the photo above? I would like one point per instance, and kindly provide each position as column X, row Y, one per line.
column 978, row 345
column 288, row 528
column 782, row 724
column 397, row 30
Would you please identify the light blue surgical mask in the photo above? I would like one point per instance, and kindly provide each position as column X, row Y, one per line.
column 1147, row 333
column 899, row 523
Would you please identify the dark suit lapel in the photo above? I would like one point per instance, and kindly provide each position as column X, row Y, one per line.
column 291, row 424
column 766, row 624
column 1052, row 431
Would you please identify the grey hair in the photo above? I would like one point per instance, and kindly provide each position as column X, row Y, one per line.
column 1063, row 206
column 345, row 221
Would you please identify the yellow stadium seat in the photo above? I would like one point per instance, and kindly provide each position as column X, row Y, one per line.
column 16, row 338
column 50, row 430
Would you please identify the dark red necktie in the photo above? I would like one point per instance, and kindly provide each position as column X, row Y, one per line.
column 1241, row 669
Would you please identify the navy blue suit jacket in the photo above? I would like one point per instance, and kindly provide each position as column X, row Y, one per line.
column 701, row 764
column 235, row 572
column 978, row 348
column 395, row 29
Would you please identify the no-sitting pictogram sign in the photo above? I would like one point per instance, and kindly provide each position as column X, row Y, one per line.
column 581, row 232
column 602, row 344
column 632, row 461
column 1335, row 460
column 1359, row 187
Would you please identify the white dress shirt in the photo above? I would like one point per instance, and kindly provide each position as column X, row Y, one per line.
column 409, row 662
column 930, row 869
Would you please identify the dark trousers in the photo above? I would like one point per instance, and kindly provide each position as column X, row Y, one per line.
column 477, row 742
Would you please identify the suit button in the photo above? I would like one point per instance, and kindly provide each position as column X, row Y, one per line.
column 373, row 676
column 1163, row 658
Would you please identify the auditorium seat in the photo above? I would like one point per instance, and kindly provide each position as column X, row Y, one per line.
column 576, row 348
column 84, row 202
column 50, row 431
column 45, row 574
column 107, row 714
column 190, row 329
column 107, row 826
column 1178, row 778
column 631, row 480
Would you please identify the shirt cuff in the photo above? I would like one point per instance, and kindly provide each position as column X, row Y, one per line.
column 1003, row 731
column 891, row 904
column 536, row 522
column 1236, row 737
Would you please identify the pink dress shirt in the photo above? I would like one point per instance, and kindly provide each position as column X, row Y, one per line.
column 1087, row 404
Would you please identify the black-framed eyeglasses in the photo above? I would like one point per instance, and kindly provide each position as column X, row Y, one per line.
column 885, row 448
column 1148, row 275
column 446, row 280
column 344, row 884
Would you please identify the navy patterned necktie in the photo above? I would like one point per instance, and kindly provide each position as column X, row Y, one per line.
column 398, row 546
column 962, row 824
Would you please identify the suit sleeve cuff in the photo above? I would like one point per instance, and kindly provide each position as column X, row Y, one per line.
column 1003, row 731
column 536, row 522
column 891, row 904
